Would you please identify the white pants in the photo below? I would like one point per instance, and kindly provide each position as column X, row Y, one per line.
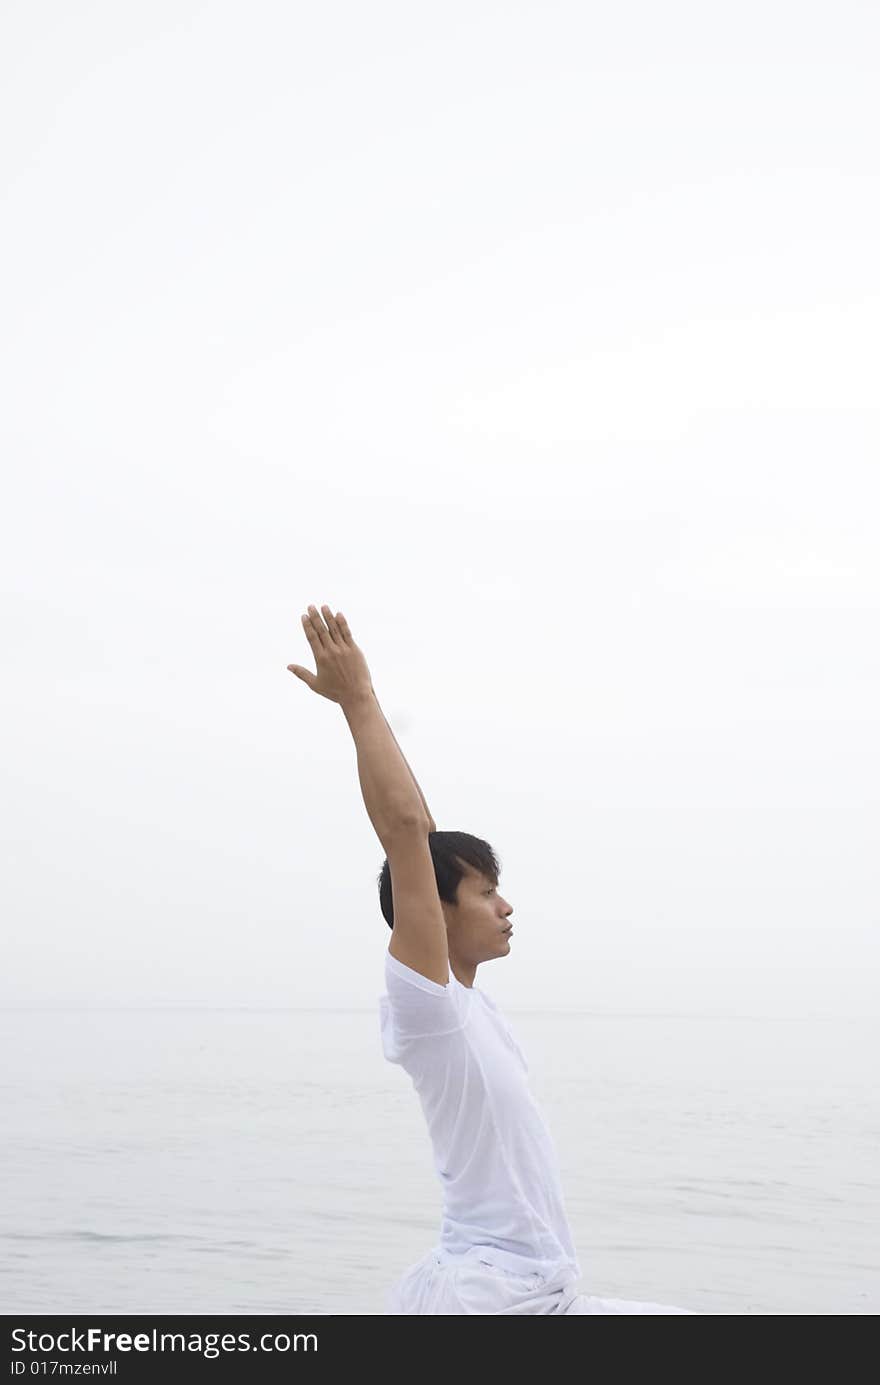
column 470, row 1285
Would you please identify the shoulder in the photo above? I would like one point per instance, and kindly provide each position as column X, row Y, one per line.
column 399, row 971
column 420, row 1008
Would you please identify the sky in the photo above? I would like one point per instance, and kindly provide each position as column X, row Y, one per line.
column 542, row 340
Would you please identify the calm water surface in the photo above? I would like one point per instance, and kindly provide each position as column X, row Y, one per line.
column 244, row 1161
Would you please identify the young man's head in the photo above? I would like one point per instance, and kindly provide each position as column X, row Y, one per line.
column 467, row 871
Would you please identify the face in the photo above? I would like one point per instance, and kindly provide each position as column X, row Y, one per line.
column 478, row 927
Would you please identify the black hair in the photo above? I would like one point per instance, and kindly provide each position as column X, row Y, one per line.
column 448, row 851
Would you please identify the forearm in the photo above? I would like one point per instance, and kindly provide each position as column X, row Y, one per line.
column 432, row 826
column 391, row 795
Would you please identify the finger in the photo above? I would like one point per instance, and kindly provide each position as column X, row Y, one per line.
column 309, row 632
column 303, row 674
column 315, row 623
column 335, row 632
column 343, row 628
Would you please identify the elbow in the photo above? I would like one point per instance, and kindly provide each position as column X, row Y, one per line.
column 407, row 824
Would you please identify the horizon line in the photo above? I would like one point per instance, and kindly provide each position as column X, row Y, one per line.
column 204, row 1007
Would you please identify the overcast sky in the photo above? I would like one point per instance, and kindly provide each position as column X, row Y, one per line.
column 542, row 340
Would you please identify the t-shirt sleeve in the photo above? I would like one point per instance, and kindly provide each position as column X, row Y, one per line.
column 418, row 1007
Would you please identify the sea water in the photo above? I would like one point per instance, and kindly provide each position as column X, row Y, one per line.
column 238, row 1161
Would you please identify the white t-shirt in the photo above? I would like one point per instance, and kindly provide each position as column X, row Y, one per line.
column 494, row 1155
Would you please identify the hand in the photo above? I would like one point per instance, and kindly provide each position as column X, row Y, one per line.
column 342, row 674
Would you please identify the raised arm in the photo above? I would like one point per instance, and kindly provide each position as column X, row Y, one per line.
column 395, row 804
column 432, row 826
column 391, row 794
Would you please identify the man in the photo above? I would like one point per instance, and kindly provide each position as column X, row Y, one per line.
column 505, row 1246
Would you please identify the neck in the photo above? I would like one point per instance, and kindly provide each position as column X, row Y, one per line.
column 464, row 971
